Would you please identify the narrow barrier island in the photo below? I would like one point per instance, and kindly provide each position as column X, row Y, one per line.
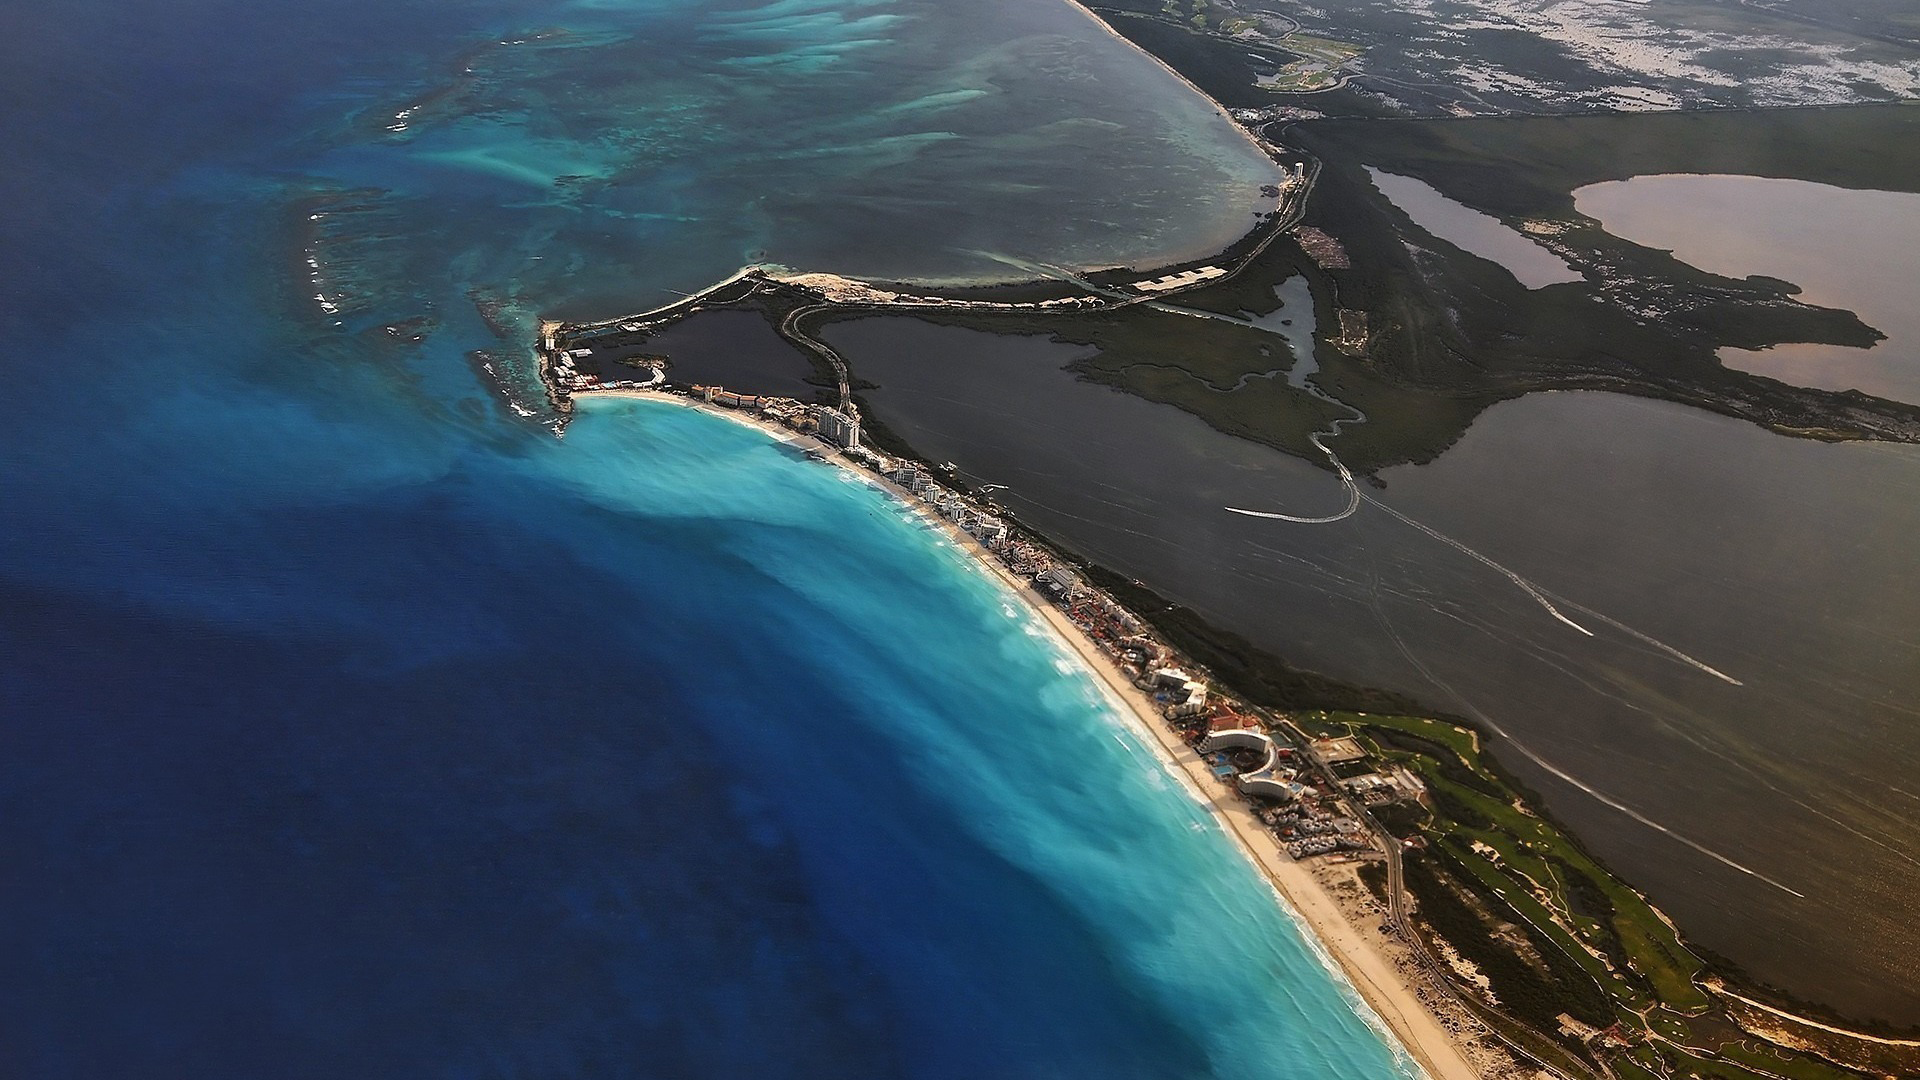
column 1481, row 932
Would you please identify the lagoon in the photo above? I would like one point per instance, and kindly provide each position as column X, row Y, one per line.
column 676, row 142
column 1473, row 231
column 1779, row 562
column 1843, row 248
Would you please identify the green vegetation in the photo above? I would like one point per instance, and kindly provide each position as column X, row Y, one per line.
column 1225, row 53
column 1318, row 67
column 1445, row 334
column 1528, row 167
column 1551, row 931
column 1253, row 672
column 1876, row 1058
column 1595, row 911
column 1225, row 373
column 1773, row 1061
column 1447, row 324
column 1628, row 1069
column 1374, row 876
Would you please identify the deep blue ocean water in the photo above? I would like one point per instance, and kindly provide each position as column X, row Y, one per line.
column 352, row 725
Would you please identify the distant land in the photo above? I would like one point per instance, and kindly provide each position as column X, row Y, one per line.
column 1515, row 57
column 1417, row 337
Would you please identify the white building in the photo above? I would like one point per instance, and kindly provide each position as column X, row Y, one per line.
column 990, row 530
column 840, row 428
column 1171, row 677
column 1061, row 579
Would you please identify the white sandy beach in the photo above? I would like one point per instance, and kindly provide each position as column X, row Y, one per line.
column 1370, row 972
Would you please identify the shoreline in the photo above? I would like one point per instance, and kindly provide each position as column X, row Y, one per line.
column 1453, row 1002
column 1416, row 1032
column 1222, row 110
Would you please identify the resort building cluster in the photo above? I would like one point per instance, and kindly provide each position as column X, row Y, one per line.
column 1312, row 794
column 1309, row 804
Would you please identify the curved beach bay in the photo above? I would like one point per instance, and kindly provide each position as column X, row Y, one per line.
column 355, row 727
column 925, row 747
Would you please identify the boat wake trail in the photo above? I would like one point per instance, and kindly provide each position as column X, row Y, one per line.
column 1655, row 643
column 1539, row 595
column 1597, row 795
column 1548, row 602
column 1346, row 478
column 1610, row 801
column 1607, row 800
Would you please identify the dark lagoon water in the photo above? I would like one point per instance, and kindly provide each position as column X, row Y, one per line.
column 352, row 725
column 1844, row 248
column 734, row 348
column 1482, row 234
column 1732, row 721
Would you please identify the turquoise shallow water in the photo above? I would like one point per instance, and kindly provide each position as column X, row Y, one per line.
column 353, row 725
column 642, row 147
column 1014, row 757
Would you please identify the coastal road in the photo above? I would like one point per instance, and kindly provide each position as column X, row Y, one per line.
column 1548, row 1056
column 1285, row 217
column 1537, row 1049
column 790, row 329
